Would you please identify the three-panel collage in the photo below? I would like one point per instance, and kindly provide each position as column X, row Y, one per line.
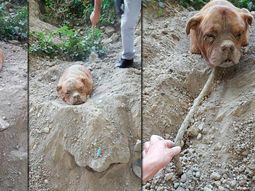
column 127, row 95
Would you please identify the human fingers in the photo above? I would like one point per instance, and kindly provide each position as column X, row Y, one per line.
column 174, row 151
column 169, row 143
column 155, row 138
column 146, row 146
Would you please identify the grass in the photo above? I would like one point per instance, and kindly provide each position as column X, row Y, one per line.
column 71, row 16
column 66, row 43
column 76, row 12
column 14, row 23
column 197, row 4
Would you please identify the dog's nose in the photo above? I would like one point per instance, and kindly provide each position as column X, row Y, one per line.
column 227, row 46
column 77, row 96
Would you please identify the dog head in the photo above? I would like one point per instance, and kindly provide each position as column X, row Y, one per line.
column 221, row 32
column 74, row 91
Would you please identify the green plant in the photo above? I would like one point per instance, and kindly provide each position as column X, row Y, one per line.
column 14, row 25
column 67, row 43
column 197, row 4
column 160, row 12
column 76, row 12
column 249, row 4
column 108, row 14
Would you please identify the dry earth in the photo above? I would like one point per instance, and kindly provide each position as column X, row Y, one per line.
column 219, row 148
column 87, row 147
column 13, row 119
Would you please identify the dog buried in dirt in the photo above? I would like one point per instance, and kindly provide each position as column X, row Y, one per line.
column 1, row 59
column 75, row 85
column 218, row 31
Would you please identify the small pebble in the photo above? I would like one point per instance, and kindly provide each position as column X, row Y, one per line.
column 199, row 136
column 176, row 185
column 215, row 176
column 233, row 183
column 192, row 132
column 200, row 127
column 197, row 174
column 180, row 189
column 253, row 179
column 169, row 177
column 184, row 178
column 207, row 189
column 46, row 130
column 242, row 182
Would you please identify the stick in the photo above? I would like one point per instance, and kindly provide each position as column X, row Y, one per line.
column 186, row 122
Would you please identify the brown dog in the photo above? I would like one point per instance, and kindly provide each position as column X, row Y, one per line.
column 75, row 85
column 219, row 31
column 1, row 59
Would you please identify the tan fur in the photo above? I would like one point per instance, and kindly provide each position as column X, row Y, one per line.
column 218, row 31
column 75, row 85
column 1, row 59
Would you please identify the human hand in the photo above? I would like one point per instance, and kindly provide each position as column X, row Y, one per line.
column 95, row 17
column 157, row 153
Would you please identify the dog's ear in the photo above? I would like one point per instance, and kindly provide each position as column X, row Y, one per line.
column 84, row 81
column 247, row 16
column 87, row 85
column 193, row 22
column 59, row 87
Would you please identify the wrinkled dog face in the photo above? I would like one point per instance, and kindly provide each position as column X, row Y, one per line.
column 73, row 91
column 220, row 34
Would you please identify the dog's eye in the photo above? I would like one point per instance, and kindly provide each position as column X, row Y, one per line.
column 68, row 92
column 238, row 35
column 80, row 89
column 209, row 37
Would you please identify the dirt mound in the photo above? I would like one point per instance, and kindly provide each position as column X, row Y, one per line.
column 219, row 147
column 13, row 119
column 90, row 146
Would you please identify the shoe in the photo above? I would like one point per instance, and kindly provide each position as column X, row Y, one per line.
column 124, row 63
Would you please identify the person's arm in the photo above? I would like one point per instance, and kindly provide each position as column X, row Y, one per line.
column 95, row 15
column 97, row 4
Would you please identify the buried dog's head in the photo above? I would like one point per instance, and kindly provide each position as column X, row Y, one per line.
column 220, row 31
column 75, row 86
column 73, row 91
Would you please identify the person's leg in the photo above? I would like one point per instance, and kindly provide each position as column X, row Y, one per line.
column 128, row 23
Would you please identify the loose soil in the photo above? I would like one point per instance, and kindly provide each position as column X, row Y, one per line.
column 13, row 119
